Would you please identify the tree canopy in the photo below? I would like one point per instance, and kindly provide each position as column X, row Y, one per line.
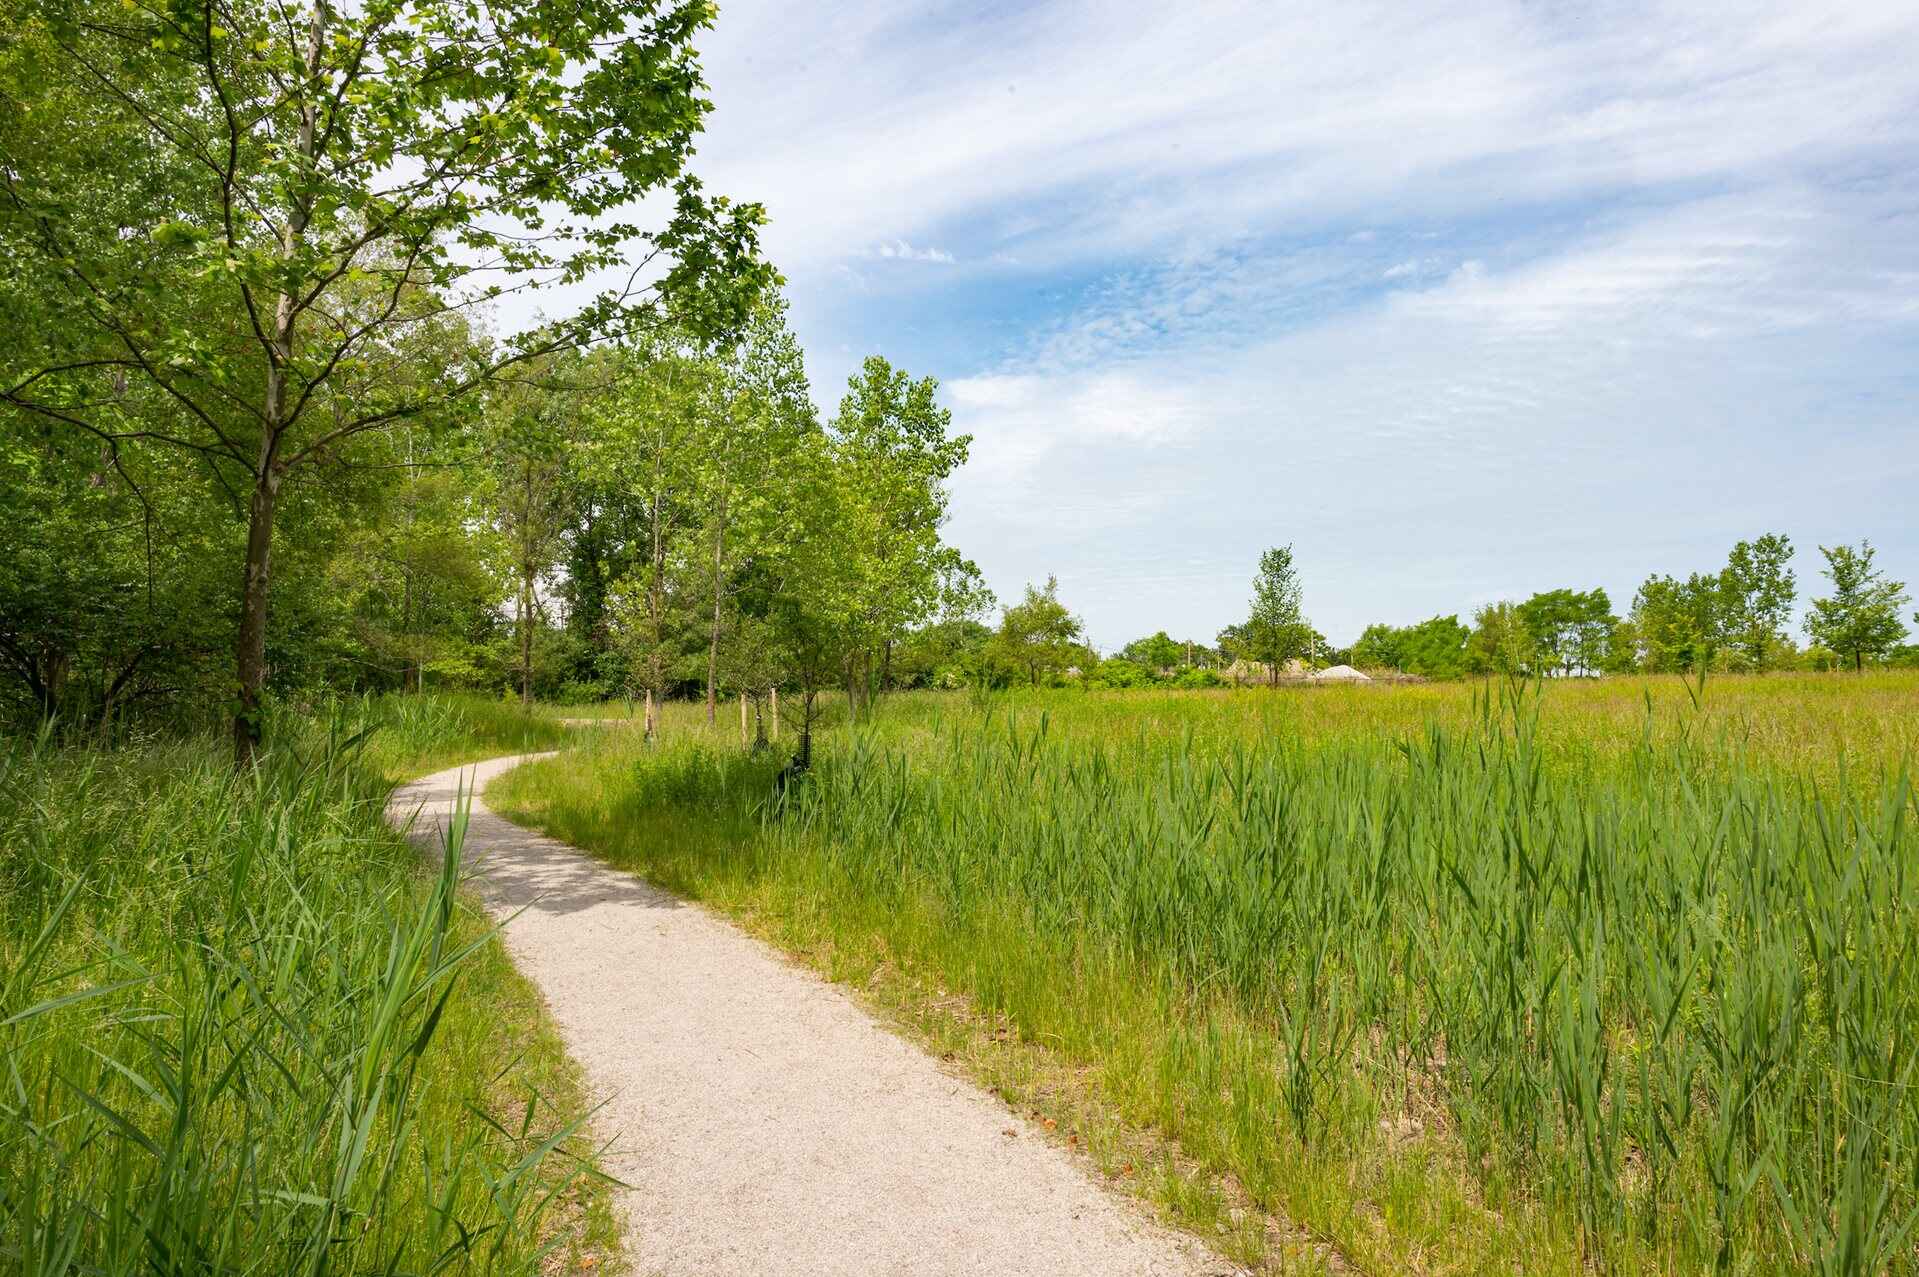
column 1861, row 617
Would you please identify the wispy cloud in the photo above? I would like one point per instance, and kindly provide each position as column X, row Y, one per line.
column 900, row 250
column 1503, row 297
column 1633, row 402
column 1074, row 130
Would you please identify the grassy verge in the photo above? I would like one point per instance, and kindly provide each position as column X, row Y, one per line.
column 1619, row 979
column 245, row 1031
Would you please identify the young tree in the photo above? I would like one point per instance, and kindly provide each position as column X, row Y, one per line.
column 1861, row 618
column 811, row 586
column 418, row 571
column 951, row 650
column 1675, row 625
column 1756, row 593
column 1038, row 633
column 531, row 442
column 761, row 413
column 892, row 457
column 324, row 185
column 1500, row 642
column 643, row 442
column 1275, row 631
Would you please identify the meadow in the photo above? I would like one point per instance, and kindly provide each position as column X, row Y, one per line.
column 247, row 1029
column 1445, row 978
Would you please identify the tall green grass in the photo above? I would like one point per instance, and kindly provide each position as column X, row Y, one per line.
column 242, row 1030
column 413, row 735
column 1469, row 979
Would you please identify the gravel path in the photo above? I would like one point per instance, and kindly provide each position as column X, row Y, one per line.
column 766, row 1124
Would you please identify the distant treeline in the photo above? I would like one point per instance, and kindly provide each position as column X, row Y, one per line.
column 1733, row 620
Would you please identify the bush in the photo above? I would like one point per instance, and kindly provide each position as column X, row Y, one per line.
column 1199, row 678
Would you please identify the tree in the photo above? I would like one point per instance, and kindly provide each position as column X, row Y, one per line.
column 1275, row 632
column 1038, row 633
column 604, row 545
column 1377, row 647
column 1756, row 593
column 418, row 570
column 1571, row 631
column 643, row 443
column 811, row 585
column 1157, row 653
column 1861, row 618
column 1435, row 648
column 892, row 456
column 324, row 189
column 531, row 445
column 1675, row 625
column 761, row 411
column 103, row 602
column 1500, row 642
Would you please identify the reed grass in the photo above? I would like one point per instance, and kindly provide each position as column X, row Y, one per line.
column 1458, row 978
column 242, row 1030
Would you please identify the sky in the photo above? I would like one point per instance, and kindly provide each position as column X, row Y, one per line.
column 1462, row 301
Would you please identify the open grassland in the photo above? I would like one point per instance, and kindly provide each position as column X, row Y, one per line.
column 246, row 1030
column 1453, row 978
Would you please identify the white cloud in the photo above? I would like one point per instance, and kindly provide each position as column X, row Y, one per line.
column 900, row 250
column 1072, row 130
column 1465, row 302
column 1635, row 403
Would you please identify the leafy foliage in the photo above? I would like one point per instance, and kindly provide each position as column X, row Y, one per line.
column 1861, row 617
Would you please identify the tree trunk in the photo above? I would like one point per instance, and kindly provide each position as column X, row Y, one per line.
column 410, row 662
column 251, row 654
column 656, row 587
column 528, row 573
column 526, row 639
column 713, row 645
column 248, row 729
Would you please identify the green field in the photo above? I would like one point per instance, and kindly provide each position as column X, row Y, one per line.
column 1447, row 978
column 244, row 1029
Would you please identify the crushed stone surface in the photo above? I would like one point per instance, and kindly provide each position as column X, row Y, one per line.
column 763, row 1122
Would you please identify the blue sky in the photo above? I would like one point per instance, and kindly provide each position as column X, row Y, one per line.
column 1463, row 301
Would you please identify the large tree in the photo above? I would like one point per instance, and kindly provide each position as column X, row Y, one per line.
column 245, row 211
column 1861, row 616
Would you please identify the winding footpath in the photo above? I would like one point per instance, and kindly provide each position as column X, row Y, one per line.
column 765, row 1123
